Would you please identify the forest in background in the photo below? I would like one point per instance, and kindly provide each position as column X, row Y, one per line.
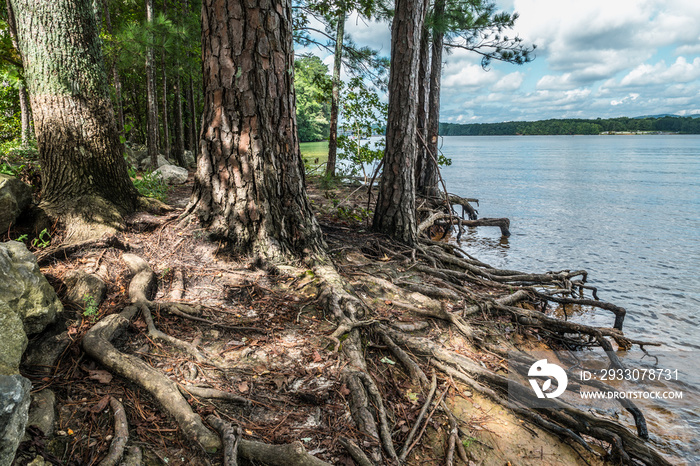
column 663, row 124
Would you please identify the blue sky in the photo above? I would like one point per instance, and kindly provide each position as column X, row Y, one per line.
column 594, row 58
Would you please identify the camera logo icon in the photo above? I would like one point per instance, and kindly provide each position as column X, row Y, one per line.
column 551, row 371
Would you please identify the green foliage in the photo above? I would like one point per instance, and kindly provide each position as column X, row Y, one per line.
column 90, row 308
column 13, row 151
column 175, row 37
column 475, row 25
column 10, row 115
column 358, row 61
column 43, row 241
column 312, row 85
column 357, row 214
column 363, row 115
column 149, row 185
column 686, row 125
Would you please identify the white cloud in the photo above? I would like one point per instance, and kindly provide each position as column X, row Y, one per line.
column 467, row 75
column 681, row 71
column 508, row 83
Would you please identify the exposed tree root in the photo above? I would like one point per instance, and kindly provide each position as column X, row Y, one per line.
column 230, row 437
column 121, row 435
column 63, row 251
column 457, row 298
column 97, row 344
column 291, row 454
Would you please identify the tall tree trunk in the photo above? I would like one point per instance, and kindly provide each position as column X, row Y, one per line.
column 395, row 212
column 179, row 136
column 335, row 94
column 25, row 109
column 429, row 174
column 84, row 177
column 26, row 116
column 423, row 88
column 166, row 129
column 152, row 98
column 192, row 123
column 249, row 184
column 116, row 81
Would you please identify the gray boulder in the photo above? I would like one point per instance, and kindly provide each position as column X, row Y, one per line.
column 15, row 196
column 13, row 340
column 190, row 161
column 24, row 290
column 146, row 162
column 14, row 410
column 171, row 174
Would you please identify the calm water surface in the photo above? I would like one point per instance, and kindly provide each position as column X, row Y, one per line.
column 625, row 208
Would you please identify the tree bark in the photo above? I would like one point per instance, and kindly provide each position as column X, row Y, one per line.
column 179, row 130
column 116, row 81
column 166, row 129
column 25, row 109
column 84, row 177
column 395, row 212
column 423, row 88
column 192, row 118
column 26, row 115
column 428, row 184
column 335, row 95
column 249, row 185
column 151, row 96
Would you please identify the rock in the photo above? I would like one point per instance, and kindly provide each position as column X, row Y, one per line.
column 135, row 154
column 14, row 408
column 13, row 340
column 146, row 162
column 171, row 174
column 42, row 354
column 15, row 196
column 81, row 285
column 25, row 290
column 190, row 161
column 162, row 160
column 42, row 411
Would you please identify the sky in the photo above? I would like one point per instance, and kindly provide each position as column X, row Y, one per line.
column 594, row 58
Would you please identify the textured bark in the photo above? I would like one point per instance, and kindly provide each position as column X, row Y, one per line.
column 26, row 115
column 116, row 80
column 335, row 95
column 423, row 88
column 428, row 182
column 25, row 109
column 179, row 149
column 395, row 213
column 192, row 118
column 249, row 184
column 83, row 169
column 151, row 97
column 166, row 128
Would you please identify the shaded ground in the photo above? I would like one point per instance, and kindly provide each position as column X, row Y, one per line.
column 268, row 332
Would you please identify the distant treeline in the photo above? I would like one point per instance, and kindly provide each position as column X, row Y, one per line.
column 666, row 124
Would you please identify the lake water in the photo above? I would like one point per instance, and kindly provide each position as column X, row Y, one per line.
column 625, row 208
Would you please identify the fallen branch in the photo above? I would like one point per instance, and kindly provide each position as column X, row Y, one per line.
column 502, row 223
